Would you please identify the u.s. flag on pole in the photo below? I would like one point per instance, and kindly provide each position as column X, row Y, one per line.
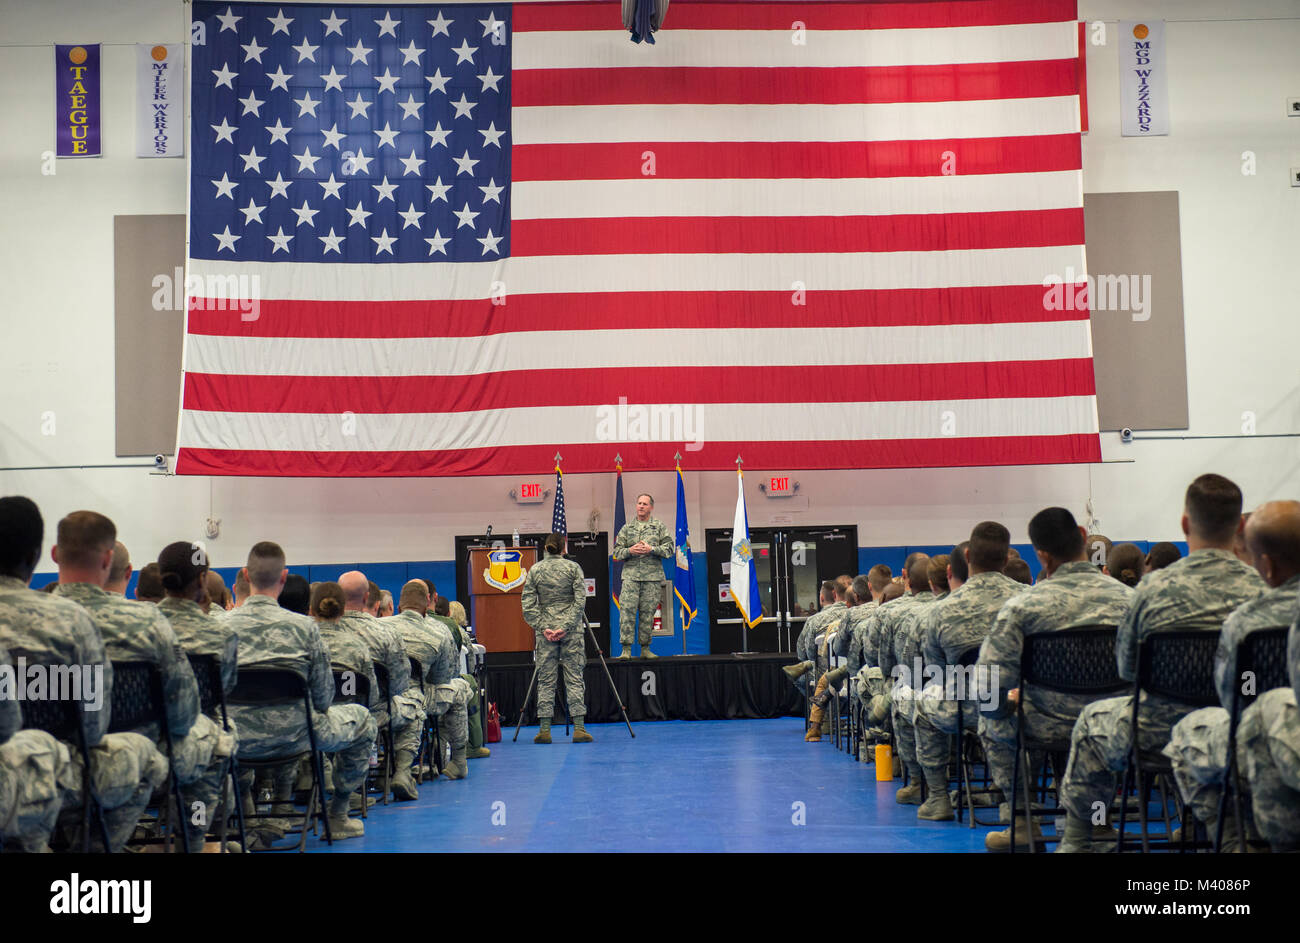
column 463, row 236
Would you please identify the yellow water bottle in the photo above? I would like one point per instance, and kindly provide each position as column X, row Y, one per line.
column 884, row 763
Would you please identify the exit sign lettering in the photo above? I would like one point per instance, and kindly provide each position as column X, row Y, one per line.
column 779, row 486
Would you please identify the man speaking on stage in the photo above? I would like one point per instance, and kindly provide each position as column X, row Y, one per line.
column 641, row 546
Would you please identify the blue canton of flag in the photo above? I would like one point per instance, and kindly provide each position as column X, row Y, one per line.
column 350, row 134
column 558, row 523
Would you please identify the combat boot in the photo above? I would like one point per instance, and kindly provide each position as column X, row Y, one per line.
column 340, row 825
column 457, row 767
column 403, row 783
column 544, row 734
column 580, row 734
column 815, row 716
column 624, row 651
column 796, row 671
column 646, row 653
column 478, row 753
column 909, row 795
column 1077, row 838
column 936, row 808
column 999, row 842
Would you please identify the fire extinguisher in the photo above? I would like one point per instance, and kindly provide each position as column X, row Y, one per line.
column 658, row 620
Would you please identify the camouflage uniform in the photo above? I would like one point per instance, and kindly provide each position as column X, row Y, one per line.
column 1078, row 594
column 1198, row 744
column 907, row 650
column 386, row 648
column 199, row 634
column 880, row 640
column 32, row 766
column 126, row 767
column 555, row 597
column 445, row 692
column 460, row 638
column 964, row 619
column 870, row 678
column 643, row 577
column 1203, row 587
column 272, row 637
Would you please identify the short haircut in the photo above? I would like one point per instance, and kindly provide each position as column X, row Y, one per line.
column 1125, row 563
column 1162, row 554
column 1054, row 531
column 22, row 532
column 1276, row 533
column 217, row 590
column 265, row 564
column 843, row 583
column 646, row 494
column 1097, row 547
column 938, row 573
column 296, row 595
column 879, row 576
column 862, row 587
column 327, row 601
column 828, row 590
column 957, row 560
column 433, row 592
column 374, row 594
column 121, row 563
column 918, row 573
column 385, row 599
column 1013, row 553
column 1018, row 570
column 240, row 587
column 989, row 543
column 415, row 595
column 83, row 537
column 1213, row 506
column 149, row 586
column 441, row 606
column 892, row 591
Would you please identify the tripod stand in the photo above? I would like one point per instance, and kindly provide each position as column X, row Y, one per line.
column 523, row 708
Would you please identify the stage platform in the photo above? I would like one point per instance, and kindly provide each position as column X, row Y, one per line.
column 676, row 687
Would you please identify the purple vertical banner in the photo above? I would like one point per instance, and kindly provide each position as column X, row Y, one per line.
column 76, row 100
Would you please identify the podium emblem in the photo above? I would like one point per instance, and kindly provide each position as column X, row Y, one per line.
column 505, row 569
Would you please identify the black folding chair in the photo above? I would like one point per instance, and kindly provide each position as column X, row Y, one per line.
column 430, row 751
column 360, row 694
column 212, row 701
column 276, row 687
column 967, row 741
column 62, row 719
column 1078, row 661
column 138, row 701
column 1178, row 665
column 1263, row 654
column 386, row 732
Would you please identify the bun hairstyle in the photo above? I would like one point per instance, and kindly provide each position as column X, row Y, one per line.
column 554, row 543
column 172, row 582
column 327, row 601
column 1125, row 564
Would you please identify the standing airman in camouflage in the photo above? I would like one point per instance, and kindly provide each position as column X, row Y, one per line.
column 183, row 572
column 387, row 649
column 273, row 637
column 1198, row 591
column 51, row 631
column 961, row 623
column 642, row 546
column 445, row 693
column 554, row 600
column 1198, row 743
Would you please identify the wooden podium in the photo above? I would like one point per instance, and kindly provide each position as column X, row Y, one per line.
column 497, row 612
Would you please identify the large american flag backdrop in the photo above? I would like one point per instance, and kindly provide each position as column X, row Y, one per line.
column 814, row 234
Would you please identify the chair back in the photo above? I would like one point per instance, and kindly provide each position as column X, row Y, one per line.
column 1178, row 664
column 1078, row 660
column 264, row 687
column 1263, row 654
column 361, row 687
column 381, row 680
column 137, row 696
column 207, row 672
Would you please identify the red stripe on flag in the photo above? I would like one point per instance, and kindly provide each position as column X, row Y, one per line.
column 601, row 386
column 932, row 232
column 794, row 85
column 702, row 14
column 636, row 310
column 649, row 456
column 751, row 160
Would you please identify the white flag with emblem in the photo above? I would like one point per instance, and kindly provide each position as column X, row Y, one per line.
column 744, row 575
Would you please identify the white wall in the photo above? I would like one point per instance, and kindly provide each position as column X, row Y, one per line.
column 1228, row 79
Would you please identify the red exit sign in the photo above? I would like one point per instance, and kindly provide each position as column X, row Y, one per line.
column 779, row 484
column 530, row 489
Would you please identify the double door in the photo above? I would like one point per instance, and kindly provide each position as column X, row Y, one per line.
column 791, row 564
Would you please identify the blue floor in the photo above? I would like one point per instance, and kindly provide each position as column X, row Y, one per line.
column 729, row 785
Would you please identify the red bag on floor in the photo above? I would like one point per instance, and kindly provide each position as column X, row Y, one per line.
column 493, row 724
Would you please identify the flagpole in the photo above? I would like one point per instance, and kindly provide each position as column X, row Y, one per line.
column 744, row 623
column 678, row 459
